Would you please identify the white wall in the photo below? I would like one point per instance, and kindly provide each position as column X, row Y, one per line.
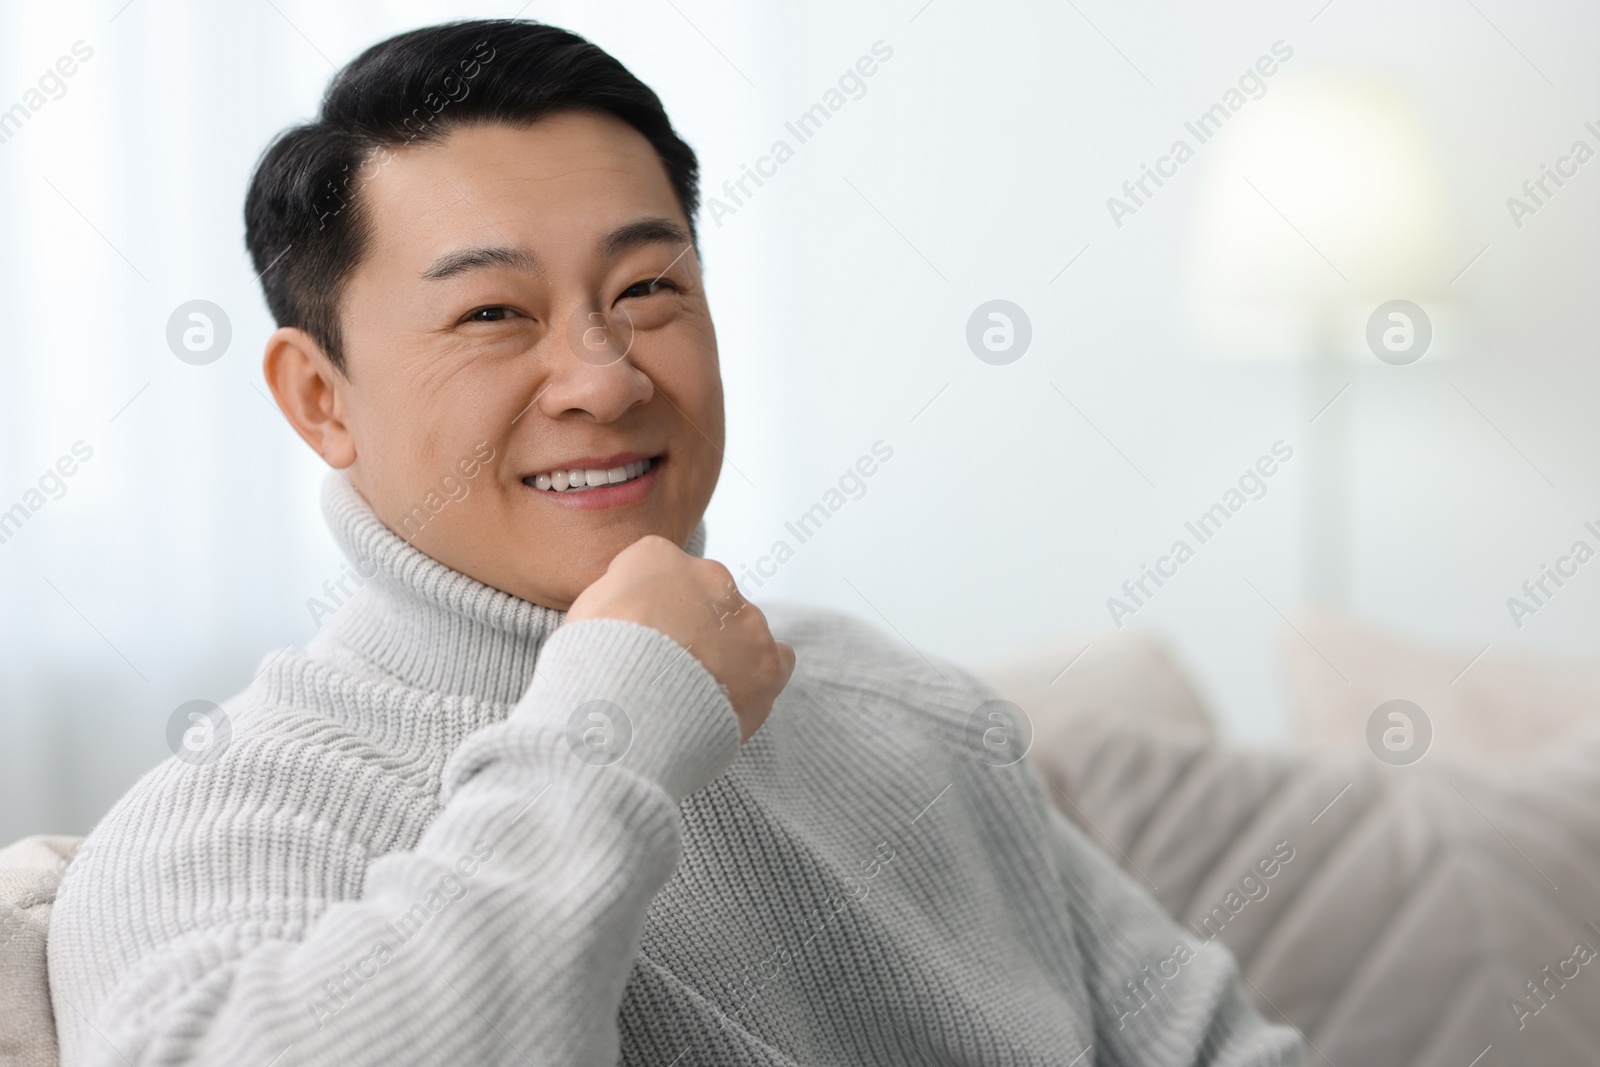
column 976, row 165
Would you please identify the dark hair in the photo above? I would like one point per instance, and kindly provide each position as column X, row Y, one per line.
column 304, row 222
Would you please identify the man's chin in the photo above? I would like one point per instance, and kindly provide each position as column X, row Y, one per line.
column 550, row 569
column 555, row 579
column 555, row 594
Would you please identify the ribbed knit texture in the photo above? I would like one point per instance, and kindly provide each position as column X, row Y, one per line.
column 400, row 857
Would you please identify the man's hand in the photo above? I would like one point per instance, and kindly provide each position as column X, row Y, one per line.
column 695, row 602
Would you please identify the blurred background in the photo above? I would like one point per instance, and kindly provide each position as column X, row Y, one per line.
column 1158, row 335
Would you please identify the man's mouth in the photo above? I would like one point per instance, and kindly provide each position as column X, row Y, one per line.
column 580, row 479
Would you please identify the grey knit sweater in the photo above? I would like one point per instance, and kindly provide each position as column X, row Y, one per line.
column 419, row 845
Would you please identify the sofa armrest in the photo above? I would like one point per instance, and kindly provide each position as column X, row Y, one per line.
column 30, row 872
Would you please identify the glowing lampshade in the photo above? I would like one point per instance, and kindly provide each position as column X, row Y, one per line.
column 1318, row 201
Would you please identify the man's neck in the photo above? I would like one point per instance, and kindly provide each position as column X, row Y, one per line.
column 419, row 622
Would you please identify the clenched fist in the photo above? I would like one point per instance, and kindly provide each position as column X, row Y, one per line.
column 655, row 583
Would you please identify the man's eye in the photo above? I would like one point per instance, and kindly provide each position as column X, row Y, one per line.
column 497, row 313
column 649, row 288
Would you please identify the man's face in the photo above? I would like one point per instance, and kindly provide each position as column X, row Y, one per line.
column 507, row 273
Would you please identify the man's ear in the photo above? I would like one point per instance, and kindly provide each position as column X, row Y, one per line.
column 311, row 393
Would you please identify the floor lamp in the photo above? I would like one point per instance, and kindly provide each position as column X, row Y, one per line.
column 1319, row 205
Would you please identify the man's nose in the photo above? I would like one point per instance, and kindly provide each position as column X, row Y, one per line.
column 590, row 367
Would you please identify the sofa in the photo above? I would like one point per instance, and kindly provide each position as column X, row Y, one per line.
column 1441, row 913
column 1432, row 914
column 30, row 871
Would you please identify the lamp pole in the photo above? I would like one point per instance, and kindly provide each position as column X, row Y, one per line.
column 1329, row 462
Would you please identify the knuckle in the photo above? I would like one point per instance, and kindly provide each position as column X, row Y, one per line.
column 650, row 551
column 654, row 545
column 756, row 620
column 718, row 573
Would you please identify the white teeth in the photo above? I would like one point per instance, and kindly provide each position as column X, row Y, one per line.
column 562, row 481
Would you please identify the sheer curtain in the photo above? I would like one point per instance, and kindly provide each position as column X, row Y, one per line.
column 186, row 541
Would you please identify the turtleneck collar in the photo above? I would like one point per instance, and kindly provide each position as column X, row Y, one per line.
column 422, row 624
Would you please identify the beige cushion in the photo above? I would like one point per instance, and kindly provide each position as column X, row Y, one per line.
column 1419, row 899
column 30, row 871
column 1126, row 674
column 1508, row 703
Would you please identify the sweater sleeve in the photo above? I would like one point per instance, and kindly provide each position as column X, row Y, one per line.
column 1157, row 994
column 505, row 937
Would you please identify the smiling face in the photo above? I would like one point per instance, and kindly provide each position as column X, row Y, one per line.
column 528, row 306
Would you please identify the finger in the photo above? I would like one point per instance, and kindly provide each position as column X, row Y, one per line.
column 754, row 618
column 786, row 660
column 655, row 548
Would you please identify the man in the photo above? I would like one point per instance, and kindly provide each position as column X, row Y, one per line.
column 546, row 789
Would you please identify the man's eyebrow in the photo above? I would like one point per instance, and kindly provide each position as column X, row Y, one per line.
column 650, row 230
column 463, row 260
